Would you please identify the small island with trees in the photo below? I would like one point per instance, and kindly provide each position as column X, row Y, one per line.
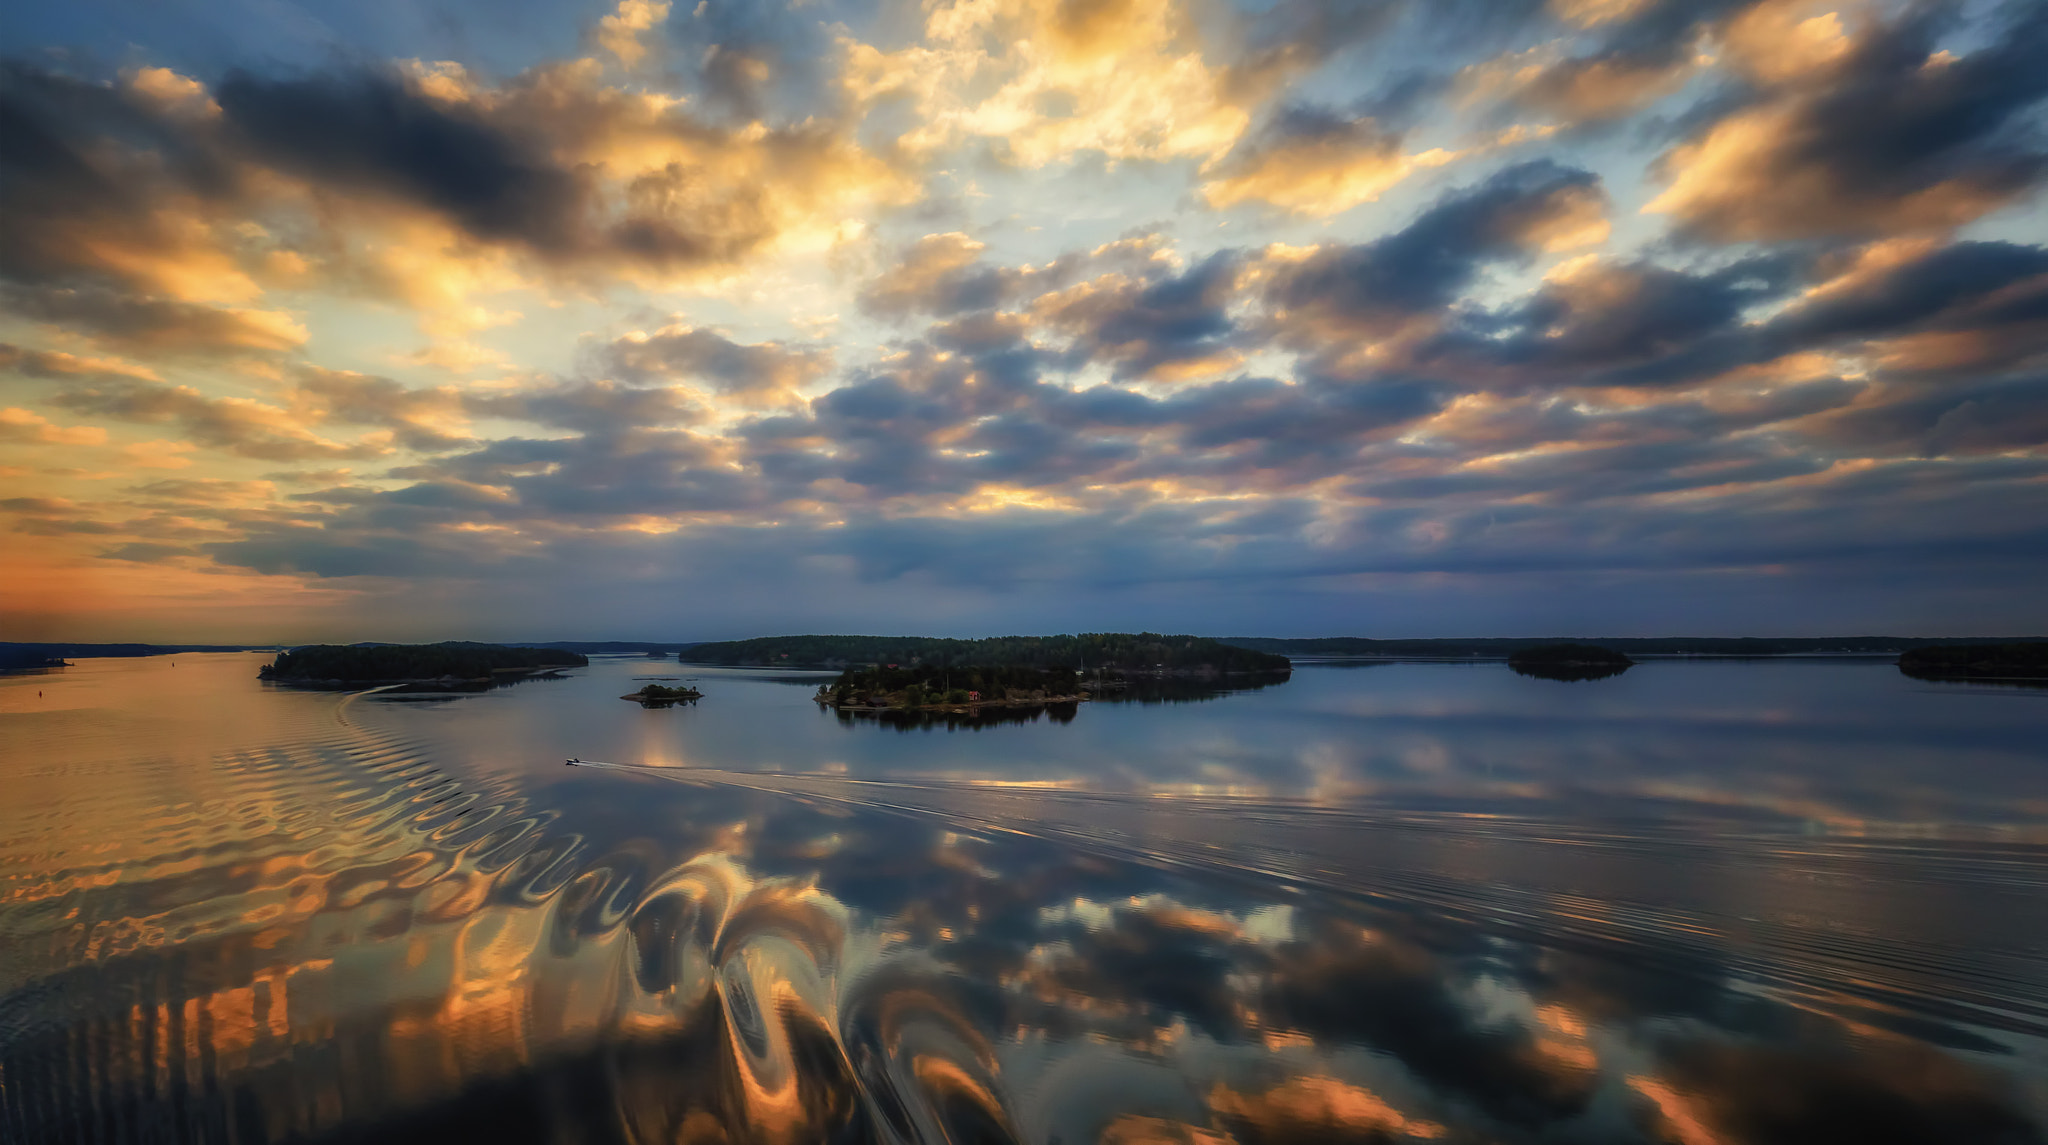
column 1570, row 662
column 657, row 696
column 450, row 666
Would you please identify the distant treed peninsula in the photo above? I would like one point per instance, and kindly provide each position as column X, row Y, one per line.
column 1133, row 654
column 449, row 662
column 2020, row 661
column 1500, row 648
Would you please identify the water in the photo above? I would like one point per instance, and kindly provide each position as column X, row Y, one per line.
column 1701, row 902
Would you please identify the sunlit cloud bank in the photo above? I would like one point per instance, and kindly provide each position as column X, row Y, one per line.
column 1379, row 317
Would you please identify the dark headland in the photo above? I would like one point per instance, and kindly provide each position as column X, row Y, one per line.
column 1501, row 647
column 2023, row 661
column 453, row 665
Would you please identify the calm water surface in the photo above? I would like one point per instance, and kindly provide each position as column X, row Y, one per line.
column 1701, row 902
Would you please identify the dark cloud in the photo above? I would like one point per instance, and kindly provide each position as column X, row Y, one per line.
column 1156, row 329
column 1994, row 417
column 145, row 552
column 363, row 399
column 239, row 426
column 1598, row 323
column 1422, row 268
column 1309, row 160
column 157, row 326
column 760, row 372
column 70, row 204
column 1893, row 137
column 366, row 131
column 1961, row 311
column 1643, row 56
column 49, row 364
column 602, row 409
column 944, row 275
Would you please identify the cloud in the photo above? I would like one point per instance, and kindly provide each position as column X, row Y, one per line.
column 758, row 62
column 1907, row 420
column 1596, row 322
column 1919, row 310
column 756, row 374
column 57, row 364
column 936, row 274
column 153, row 189
column 116, row 186
column 1047, row 81
column 1791, row 362
column 145, row 552
column 1175, row 327
column 140, row 325
column 602, row 408
column 1897, row 136
column 619, row 33
column 20, row 425
column 238, row 425
column 943, row 274
column 425, row 420
column 1313, row 162
column 366, row 131
column 1337, row 292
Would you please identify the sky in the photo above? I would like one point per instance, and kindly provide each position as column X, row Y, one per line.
column 510, row 320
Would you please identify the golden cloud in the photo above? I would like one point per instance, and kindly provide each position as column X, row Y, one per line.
column 619, row 33
column 20, row 425
column 1124, row 79
column 1320, row 174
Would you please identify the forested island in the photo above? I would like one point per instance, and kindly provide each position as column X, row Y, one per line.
column 932, row 686
column 1569, row 661
column 453, row 665
column 657, row 696
column 2019, row 661
column 1118, row 653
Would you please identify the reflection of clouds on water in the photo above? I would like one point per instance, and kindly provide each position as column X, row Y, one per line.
column 739, row 964
column 348, row 938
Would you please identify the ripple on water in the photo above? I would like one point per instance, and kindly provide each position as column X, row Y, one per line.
column 311, row 929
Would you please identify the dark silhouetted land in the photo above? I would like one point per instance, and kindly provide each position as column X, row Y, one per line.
column 450, row 662
column 1569, row 661
column 910, row 688
column 15, row 655
column 657, row 696
column 1134, row 654
column 2018, row 661
column 1499, row 648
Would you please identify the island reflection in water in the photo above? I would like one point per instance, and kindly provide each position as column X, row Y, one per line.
column 1699, row 903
